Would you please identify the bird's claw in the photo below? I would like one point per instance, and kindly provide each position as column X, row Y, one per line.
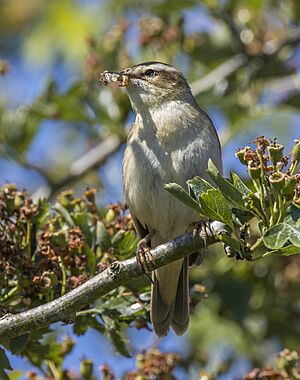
column 144, row 258
column 200, row 229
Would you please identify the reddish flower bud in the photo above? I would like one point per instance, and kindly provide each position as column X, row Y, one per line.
column 240, row 154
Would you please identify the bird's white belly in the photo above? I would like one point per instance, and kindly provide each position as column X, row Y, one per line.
column 151, row 204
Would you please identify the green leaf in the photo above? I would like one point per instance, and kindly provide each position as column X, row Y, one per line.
column 103, row 237
column 197, row 186
column 294, row 235
column 228, row 240
column 296, row 205
column 127, row 245
column 43, row 213
column 110, row 216
column 40, row 333
column 64, row 213
column 17, row 130
column 228, row 189
column 15, row 375
column 276, row 236
column 68, row 106
column 293, row 216
column 4, row 362
column 81, row 324
column 91, row 258
column 178, row 192
column 86, row 223
column 240, row 216
column 120, row 342
column 18, row 344
column 216, row 207
column 115, row 333
column 239, row 184
column 53, row 351
column 3, row 375
column 117, row 238
column 285, row 251
column 84, row 322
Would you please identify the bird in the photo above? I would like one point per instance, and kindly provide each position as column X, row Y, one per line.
column 171, row 140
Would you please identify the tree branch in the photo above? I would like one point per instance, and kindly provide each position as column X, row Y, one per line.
column 119, row 273
column 91, row 160
column 219, row 73
column 234, row 63
column 94, row 158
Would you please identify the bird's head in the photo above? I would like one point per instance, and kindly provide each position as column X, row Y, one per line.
column 151, row 84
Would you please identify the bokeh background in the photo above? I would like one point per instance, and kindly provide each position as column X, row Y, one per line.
column 59, row 130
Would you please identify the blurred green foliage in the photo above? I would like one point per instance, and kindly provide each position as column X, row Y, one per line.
column 252, row 50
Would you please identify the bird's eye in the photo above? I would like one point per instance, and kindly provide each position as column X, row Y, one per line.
column 150, row 73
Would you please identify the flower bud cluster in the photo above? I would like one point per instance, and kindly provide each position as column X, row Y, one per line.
column 267, row 163
column 44, row 251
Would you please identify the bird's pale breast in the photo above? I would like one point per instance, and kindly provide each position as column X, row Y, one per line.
column 155, row 157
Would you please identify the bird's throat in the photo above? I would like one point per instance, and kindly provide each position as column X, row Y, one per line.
column 167, row 122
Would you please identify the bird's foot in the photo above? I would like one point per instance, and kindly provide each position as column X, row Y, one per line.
column 200, row 229
column 144, row 257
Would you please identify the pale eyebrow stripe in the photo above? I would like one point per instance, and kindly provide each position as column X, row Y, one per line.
column 151, row 63
column 158, row 66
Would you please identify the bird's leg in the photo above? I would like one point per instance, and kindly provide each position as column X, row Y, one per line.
column 143, row 255
column 200, row 230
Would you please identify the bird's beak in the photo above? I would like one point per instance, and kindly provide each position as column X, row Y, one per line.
column 129, row 73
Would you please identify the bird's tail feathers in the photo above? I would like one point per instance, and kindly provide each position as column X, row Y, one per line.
column 181, row 317
column 175, row 314
column 161, row 313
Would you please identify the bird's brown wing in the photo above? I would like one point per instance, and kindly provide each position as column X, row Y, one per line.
column 139, row 228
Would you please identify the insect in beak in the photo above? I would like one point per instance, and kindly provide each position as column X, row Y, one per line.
column 112, row 77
